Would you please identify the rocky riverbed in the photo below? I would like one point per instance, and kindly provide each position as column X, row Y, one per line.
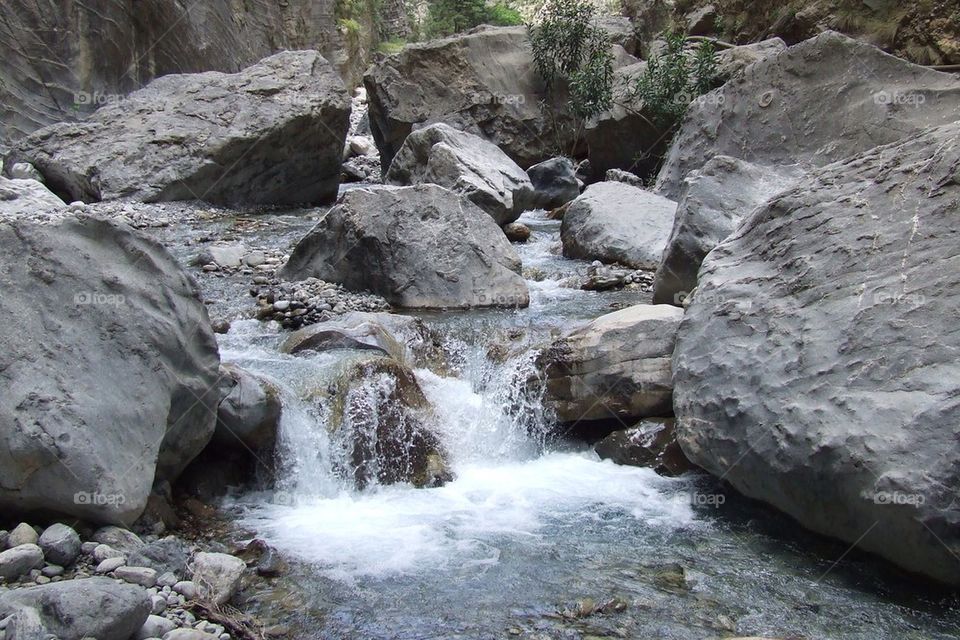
column 288, row 358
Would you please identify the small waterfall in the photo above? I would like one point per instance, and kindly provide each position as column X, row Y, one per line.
column 480, row 411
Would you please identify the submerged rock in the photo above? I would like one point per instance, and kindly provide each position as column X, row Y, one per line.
column 816, row 366
column 652, row 443
column 378, row 418
column 418, row 247
column 616, row 223
column 270, row 134
column 466, row 164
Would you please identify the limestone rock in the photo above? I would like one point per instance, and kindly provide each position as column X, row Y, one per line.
column 270, row 134
column 113, row 317
column 615, row 222
column 418, row 247
column 467, row 164
column 815, row 368
column 616, row 367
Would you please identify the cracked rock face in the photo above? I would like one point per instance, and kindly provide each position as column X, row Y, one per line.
column 108, row 366
column 270, row 134
column 816, row 368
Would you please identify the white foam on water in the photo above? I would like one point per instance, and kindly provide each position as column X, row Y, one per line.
column 401, row 530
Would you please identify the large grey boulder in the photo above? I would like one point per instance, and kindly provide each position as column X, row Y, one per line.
column 773, row 113
column 109, row 366
column 483, row 82
column 74, row 609
column 270, row 134
column 554, row 182
column 466, row 164
column 714, row 200
column 418, row 247
column 19, row 197
column 51, row 76
column 248, row 416
column 816, row 367
column 617, row 222
column 616, row 367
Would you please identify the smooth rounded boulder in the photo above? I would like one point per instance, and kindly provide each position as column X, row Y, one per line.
column 467, row 164
column 270, row 134
column 816, row 366
column 75, row 609
column 617, row 367
column 60, row 544
column 418, row 247
column 554, row 182
column 110, row 369
column 615, row 222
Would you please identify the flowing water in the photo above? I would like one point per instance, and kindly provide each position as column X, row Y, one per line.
column 535, row 531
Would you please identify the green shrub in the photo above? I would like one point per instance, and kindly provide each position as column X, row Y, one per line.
column 392, row 46
column 672, row 80
column 568, row 46
column 447, row 17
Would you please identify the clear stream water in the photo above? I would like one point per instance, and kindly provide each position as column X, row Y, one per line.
column 535, row 527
